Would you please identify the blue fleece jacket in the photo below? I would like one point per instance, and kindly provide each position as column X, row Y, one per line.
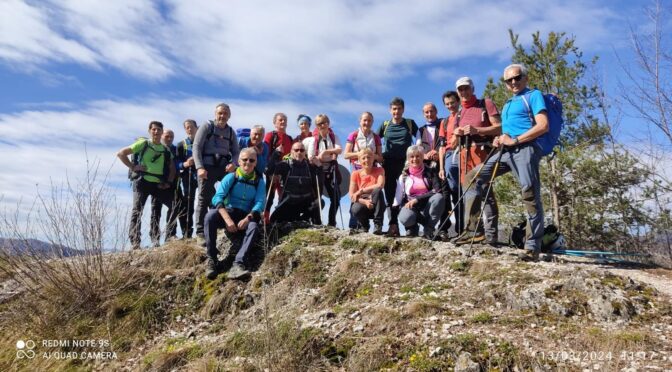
column 243, row 196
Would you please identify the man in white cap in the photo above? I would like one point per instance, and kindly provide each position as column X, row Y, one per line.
column 477, row 123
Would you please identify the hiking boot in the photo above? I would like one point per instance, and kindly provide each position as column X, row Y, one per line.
column 492, row 243
column 548, row 257
column 237, row 271
column 377, row 229
column 529, row 256
column 365, row 228
column 213, row 269
column 469, row 237
column 353, row 232
column 413, row 231
column 443, row 236
column 428, row 234
column 200, row 240
column 393, row 231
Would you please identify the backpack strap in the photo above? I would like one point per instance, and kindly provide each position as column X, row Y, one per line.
column 211, row 132
column 437, row 142
column 138, row 159
column 525, row 97
column 316, row 142
column 484, row 111
column 255, row 183
column 275, row 137
column 386, row 123
column 409, row 124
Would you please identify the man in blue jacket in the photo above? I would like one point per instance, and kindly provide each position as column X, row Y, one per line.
column 238, row 204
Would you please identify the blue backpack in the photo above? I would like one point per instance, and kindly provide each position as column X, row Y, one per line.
column 243, row 135
column 550, row 139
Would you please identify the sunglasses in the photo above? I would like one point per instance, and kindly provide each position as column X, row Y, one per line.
column 516, row 78
column 299, row 150
column 248, row 160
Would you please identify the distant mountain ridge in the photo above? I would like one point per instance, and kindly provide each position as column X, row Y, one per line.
column 36, row 247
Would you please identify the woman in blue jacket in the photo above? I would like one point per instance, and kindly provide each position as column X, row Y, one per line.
column 238, row 204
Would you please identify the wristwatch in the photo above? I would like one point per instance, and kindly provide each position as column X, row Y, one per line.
column 515, row 141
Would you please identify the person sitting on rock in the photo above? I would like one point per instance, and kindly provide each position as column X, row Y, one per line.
column 419, row 192
column 299, row 180
column 238, row 205
column 366, row 193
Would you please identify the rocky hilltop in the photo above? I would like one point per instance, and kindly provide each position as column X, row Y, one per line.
column 323, row 300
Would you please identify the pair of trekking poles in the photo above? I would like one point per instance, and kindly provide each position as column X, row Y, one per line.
column 461, row 192
column 337, row 191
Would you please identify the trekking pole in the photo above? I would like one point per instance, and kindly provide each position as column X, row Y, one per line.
column 460, row 198
column 266, row 234
column 458, row 221
column 270, row 188
column 319, row 198
column 487, row 193
column 189, row 216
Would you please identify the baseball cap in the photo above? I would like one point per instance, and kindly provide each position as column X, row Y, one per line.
column 465, row 80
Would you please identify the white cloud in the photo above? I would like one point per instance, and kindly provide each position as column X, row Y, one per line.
column 441, row 75
column 281, row 47
column 45, row 144
column 26, row 38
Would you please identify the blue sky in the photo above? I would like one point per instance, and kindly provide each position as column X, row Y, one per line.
column 94, row 73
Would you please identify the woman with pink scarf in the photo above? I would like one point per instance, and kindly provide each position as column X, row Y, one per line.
column 419, row 192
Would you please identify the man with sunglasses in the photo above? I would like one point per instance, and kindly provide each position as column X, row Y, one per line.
column 152, row 173
column 476, row 124
column 215, row 152
column 299, row 179
column 239, row 202
column 521, row 155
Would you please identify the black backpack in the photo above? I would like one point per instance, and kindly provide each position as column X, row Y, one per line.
column 519, row 235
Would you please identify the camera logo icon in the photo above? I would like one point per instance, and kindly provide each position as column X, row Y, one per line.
column 25, row 349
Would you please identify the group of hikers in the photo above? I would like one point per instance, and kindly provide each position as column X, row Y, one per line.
column 424, row 175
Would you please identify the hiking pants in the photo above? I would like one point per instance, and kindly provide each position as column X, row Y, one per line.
column 363, row 214
column 332, row 190
column 177, row 211
column 142, row 189
column 450, row 190
column 393, row 168
column 206, row 190
column 189, row 186
column 427, row 212
column 241, row 241
column 523, row 161
column 297, row 209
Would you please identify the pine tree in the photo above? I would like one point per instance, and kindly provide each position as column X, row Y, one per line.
column 587, row 184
